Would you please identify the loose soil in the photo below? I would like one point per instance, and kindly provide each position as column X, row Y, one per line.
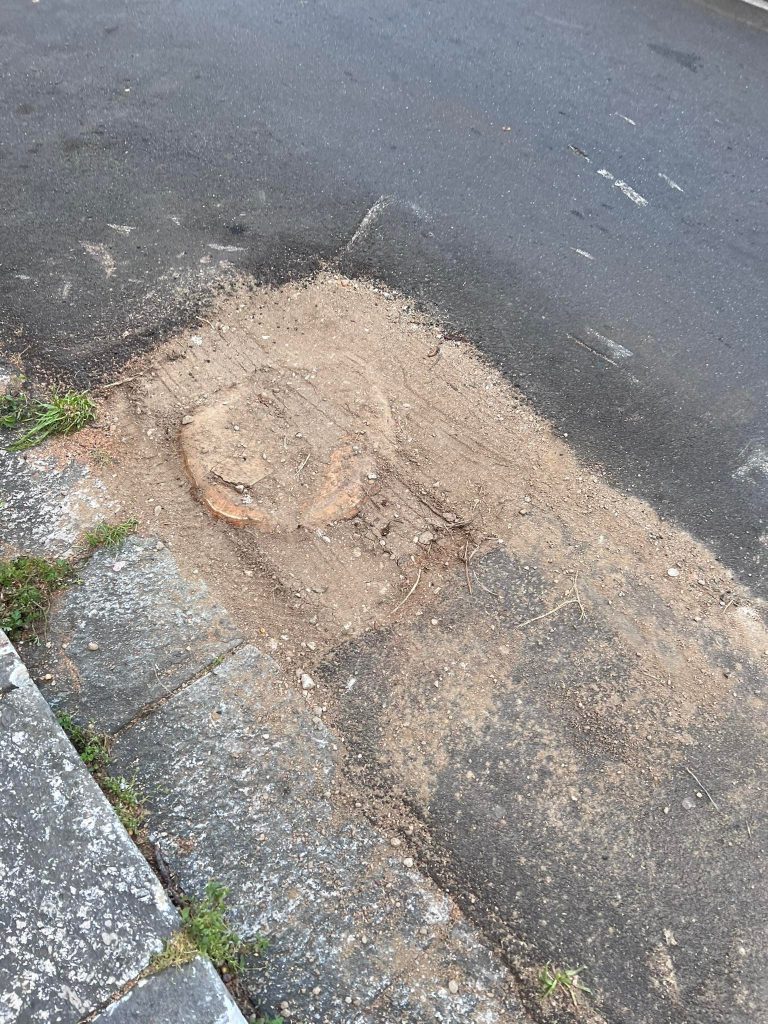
column 308, row 450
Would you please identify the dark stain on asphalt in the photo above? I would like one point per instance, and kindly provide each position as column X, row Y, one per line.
column 689, row 61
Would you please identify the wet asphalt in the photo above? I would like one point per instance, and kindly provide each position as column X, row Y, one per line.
column 579, row 189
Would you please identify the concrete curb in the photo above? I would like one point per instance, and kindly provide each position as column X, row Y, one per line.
column 80, row 910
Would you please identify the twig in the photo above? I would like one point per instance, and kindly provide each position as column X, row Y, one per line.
column 699, row 783
column 578, row 596
column 466, row 567
column 545, row 615
column 482, row 586
column 306, row 460
column 117, row 383
column 438, row 512
column 399, row 606
column 563, row 604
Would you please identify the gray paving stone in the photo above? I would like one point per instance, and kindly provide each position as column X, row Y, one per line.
column 152, row 629
column 242, row 785
column 80, row 911
column 193, row 994
column 47, row 504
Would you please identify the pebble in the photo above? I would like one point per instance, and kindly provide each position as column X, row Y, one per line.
column 395, row 841
column 118, row 566
column 373, row 476
column 672, row 571
column 689, row 803
column 307, row 682
column 186, row 421
column 408, row 862
column 426, row 537
column 453, row 986
column 93, row 646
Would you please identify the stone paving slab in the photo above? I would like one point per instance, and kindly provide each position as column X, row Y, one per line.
column 47, row 504
column 130, row 632
column 192, row 994
column 242, row 785
column 81, row 913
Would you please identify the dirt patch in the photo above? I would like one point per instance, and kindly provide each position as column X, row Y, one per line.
column 319, row 453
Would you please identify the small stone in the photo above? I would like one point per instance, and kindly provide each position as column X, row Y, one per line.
column 373, row 476
column 426, row 537
column 672, row 571
column 453, row 986
column 47, row 676
column 186, row 421
column 307, row 682
column 408, row 862
column 523, row 511
column 395, row 841
column 689, row 803
column 93, row 646
column 239, row 488
column 118, row 566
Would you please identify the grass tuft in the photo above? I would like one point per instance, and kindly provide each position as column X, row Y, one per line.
column 109, row 535
column 124, row 794
column 126, row 799
column 60, row 414
column 26, row 586
column 562, row 979
column 177, row 951
column 90, row 745
column 204, row 930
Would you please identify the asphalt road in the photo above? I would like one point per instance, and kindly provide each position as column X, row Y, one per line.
column 560, row 180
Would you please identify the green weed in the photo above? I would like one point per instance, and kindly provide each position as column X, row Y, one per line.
column 124, row 794
column 26, row 586
column 90, row 745
column 14, row 409
column 126, row 799
column 204, row 930
column 60, row 414
column 562, row 979
column 109, row 535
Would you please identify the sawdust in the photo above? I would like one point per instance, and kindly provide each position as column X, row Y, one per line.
column 309, row 450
